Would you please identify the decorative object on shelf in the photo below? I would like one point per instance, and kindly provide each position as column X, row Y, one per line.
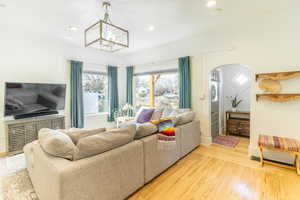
column 279, row 75
column 278, row 97
column 268, row 85
column 235, row 102
column 106, row 36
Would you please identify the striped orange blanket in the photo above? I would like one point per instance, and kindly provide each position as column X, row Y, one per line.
column 166, row 133
column 282, row 143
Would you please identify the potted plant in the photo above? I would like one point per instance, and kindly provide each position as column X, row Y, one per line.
column 235, row 102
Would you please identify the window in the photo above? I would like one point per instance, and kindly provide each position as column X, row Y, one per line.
column 167, row 90
column 160, row 89
column 94, row 92
column 142, row 90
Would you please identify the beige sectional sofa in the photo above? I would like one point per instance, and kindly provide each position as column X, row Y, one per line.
column 111, row 175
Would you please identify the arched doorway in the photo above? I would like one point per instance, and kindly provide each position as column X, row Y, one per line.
column 230, row 96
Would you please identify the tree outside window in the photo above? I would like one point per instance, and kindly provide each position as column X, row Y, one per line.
column 160, row 90
column 94, row 92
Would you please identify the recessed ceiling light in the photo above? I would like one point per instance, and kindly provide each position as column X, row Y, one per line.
column 211, row 3
column 151, row 28
column 73, row 28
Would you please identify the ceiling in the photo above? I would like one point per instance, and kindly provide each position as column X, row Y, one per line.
column 173, row 19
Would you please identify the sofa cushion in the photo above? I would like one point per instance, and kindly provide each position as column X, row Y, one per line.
column 167, row 112
column 105, row 141
column 145, row 115
column 157, row 114
column 185, row 118
column 57, row 143
column 75, row 133
column 145, row 129
column 174, row 113
column 180, row 111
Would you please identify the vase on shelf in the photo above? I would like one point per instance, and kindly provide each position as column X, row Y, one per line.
column 234, row 109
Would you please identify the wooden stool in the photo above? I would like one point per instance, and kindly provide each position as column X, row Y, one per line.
column 279, row 144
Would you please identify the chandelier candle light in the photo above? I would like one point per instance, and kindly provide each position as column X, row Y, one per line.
column 104, row 35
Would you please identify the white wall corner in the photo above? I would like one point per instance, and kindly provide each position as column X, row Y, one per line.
column 253, row 151
column 206, row 140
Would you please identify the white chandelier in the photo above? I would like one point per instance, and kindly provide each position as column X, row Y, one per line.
column 104, row 35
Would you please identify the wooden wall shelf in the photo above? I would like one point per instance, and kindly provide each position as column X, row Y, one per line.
column 278, row 76
column 278, row 97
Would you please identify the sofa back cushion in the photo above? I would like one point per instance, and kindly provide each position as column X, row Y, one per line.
column 168, row 112
column 105, row 141
column 145, row 129
column 75, row 133
column 144, row 115
column 57, row 143
column 185, row 118
column 157, row 114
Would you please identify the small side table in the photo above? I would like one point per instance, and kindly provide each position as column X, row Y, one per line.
column 120, row 120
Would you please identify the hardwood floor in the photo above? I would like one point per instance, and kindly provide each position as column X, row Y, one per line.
column 222, row 173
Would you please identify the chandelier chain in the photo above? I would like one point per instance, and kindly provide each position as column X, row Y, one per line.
column 106, row 6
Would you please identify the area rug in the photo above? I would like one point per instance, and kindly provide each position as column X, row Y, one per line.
column 226, row 141
column 17, row 186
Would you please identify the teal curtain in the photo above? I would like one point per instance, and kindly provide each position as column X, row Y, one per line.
column 77, row 113
column 113, row 97
column 184, row 82
column 129, row 91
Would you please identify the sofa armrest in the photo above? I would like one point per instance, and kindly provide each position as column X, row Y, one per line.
column 43, row 171
column 190, row 137
column 104, row 176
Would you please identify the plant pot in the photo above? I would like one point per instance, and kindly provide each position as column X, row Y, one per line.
column 234, row 109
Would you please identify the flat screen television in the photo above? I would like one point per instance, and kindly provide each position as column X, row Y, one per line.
column 33, row 99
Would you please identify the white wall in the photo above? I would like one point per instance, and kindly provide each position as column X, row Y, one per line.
column 230, row 86
column 27, row 57
column 264, row 47
column 156, row 66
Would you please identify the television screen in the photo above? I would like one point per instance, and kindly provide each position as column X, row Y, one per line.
column 30, row 98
